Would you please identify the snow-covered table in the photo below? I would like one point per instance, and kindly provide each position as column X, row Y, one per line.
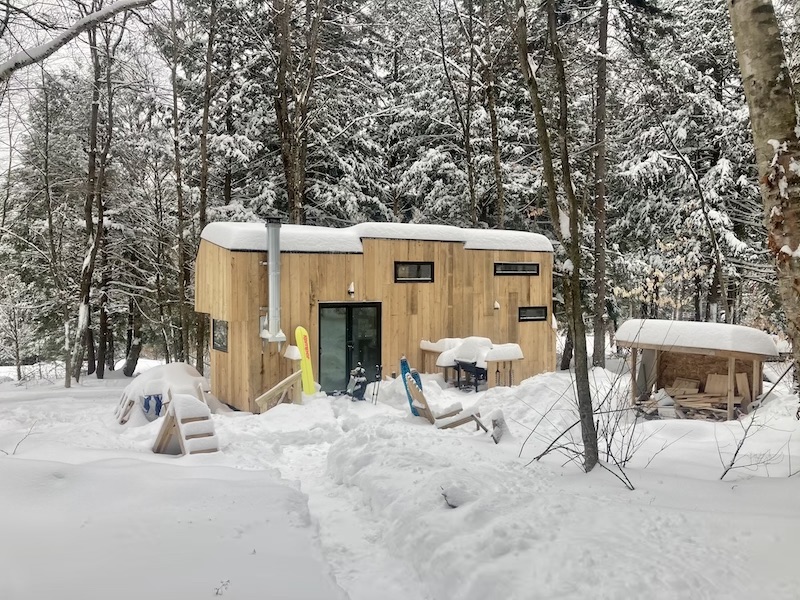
column 481, row 353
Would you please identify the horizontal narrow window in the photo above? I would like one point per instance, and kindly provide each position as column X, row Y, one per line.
column 516, row 268
column 220, row 335
column 533, row 313
column 410, row 272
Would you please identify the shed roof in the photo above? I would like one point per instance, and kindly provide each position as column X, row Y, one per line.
column 693, row 336
column 347, row 240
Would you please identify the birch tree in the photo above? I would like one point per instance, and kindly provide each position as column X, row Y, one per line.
column 776, row 127
column 88, row 21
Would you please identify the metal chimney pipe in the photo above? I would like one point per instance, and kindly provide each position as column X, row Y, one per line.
column 274, row 332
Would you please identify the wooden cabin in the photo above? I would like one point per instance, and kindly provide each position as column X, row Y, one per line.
column 367, row 293
column 710, row 366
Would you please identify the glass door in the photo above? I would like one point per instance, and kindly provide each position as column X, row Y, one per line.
column 348, row 334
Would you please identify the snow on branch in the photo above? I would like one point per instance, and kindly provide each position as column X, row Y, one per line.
column 37, row 54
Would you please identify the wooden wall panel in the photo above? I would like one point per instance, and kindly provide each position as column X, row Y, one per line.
column 213, row 280
column 460, row 302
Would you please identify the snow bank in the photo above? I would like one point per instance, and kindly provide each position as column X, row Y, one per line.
column 127, row 530
column 306, row 238
column 476, row 524
column 692, row 334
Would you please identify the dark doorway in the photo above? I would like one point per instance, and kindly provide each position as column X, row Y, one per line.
column 349, row 333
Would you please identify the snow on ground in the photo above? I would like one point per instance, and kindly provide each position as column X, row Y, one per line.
column 335, row 499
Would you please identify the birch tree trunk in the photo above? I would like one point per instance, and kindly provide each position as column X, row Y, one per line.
column 776, row 126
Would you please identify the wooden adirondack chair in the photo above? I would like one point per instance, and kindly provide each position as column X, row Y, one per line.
column 447, row 420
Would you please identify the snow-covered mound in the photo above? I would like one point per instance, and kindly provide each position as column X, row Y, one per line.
column 175, row 378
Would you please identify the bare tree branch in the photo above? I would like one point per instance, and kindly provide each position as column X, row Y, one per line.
column 27, row 57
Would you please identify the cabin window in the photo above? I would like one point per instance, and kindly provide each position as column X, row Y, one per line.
column 516, row 268
column 532, row 313
column 413, row 272
column 220, row 335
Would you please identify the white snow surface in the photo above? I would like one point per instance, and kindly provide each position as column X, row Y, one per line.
column 347, row 240
column 692, row 334
column 336, row 499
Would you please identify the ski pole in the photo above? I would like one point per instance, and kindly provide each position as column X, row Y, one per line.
column 378, row 378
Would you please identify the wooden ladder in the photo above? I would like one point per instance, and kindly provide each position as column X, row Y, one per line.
column 187, row 428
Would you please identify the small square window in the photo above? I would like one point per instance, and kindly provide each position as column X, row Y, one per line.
column 532, row 313
column 516, row 268
column 413, row 272
column 220, row 335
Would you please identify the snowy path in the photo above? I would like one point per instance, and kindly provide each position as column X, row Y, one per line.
column 350, row 534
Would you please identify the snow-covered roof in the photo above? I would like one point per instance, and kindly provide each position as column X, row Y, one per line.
column 306, row 238
column 695, row 335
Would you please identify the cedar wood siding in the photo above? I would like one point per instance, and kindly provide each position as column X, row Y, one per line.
column 232, row 286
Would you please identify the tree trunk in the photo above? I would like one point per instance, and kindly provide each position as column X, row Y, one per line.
column 102, row 343
column 292, row 98
column 774, row 118
column 487, row 71
column 96, row 180
column 91, row 357
column 200, row 319
column 67, row 352
column 227, row 184
column 110, row 351
column 464, row 114
column 599, row 351
column 129, row 332
column 183, row 263
column 572, row 297
column 53, row 252
column 91, row 237
column 566, row 356
column 161, row 258
column 135, row 339
column 15, row 341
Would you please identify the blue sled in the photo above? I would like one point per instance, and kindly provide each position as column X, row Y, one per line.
column 405, row 368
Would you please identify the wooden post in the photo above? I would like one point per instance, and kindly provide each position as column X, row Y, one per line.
column 757, row 378
column 731, row 385
column 655, row 370
column 297, row 388
column 634, row 352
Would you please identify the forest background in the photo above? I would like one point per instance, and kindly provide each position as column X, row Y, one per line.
column 121, row 146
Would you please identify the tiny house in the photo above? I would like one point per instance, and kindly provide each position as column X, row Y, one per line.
column 367, row 293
